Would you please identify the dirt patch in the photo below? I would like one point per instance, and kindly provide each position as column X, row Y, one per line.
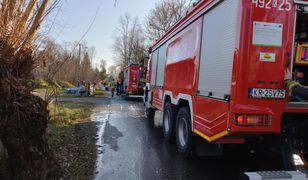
column 71, row 138
column 75, row 150
column 73, row 142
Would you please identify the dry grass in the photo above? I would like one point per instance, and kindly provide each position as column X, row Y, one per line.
column 72, row 139
column 68, row 113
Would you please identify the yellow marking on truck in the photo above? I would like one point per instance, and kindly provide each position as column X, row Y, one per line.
column 212, row 138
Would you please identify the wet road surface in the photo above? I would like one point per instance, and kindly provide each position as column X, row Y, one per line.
column 130, row 149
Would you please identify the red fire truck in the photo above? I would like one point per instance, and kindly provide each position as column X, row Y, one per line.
column 133, row 80
column 218, row 74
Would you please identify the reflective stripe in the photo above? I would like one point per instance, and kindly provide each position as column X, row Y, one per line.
column 212, row 138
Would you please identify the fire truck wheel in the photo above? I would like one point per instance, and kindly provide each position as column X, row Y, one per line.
column 184, row 139
column 169, row 121
column 150, row 112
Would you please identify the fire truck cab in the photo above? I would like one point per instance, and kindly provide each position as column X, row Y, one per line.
column 218, row 74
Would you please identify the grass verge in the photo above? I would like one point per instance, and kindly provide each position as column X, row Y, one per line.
column 99, row 93
column 72, row 139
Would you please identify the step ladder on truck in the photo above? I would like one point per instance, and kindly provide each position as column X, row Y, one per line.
column 218, row 74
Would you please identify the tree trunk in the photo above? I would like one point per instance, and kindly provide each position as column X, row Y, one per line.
column 25, row 140
column 23, row 123
column 23, row 116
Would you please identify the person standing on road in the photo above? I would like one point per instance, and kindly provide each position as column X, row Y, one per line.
column 118, row 88
column 112, row 87
column 88, row 87
column 94, row 85
column 295, row 88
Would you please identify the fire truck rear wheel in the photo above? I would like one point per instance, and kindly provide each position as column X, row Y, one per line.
column 169, row 121
column 184, row 138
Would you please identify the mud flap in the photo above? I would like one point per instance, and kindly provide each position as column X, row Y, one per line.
column 203, row 148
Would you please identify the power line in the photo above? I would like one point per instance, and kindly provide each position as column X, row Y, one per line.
column 93, row 21
column 83, row 36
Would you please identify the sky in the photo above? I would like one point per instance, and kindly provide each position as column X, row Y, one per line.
column 75, row 16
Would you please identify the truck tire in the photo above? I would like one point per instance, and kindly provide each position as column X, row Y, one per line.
column 184, row 138
column 169, row 121
column 150, row 113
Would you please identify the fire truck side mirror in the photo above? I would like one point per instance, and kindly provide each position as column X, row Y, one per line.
column 150, row 50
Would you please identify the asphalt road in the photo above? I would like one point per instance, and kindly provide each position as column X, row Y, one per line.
column 130, row 149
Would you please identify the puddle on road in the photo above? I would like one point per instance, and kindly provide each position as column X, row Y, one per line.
column 100, row 116
column 106, row 135
column 111, row 135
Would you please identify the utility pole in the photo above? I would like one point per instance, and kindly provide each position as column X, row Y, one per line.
column 78, row 65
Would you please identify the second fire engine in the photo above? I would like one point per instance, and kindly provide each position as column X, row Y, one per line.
column 218, row 74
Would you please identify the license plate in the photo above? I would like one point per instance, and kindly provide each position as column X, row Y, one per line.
column 267, row 93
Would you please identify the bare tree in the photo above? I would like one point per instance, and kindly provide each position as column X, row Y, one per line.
column 103, row 70
column 128, row 46
column 63, row 63
column 91, row 52
column 23, row 116
column 163, row 16
column 87, row 73
column 112, row 72
column 48, row 58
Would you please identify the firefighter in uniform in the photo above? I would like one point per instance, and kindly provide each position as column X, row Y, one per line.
column 295, row 88
column 112, row 87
